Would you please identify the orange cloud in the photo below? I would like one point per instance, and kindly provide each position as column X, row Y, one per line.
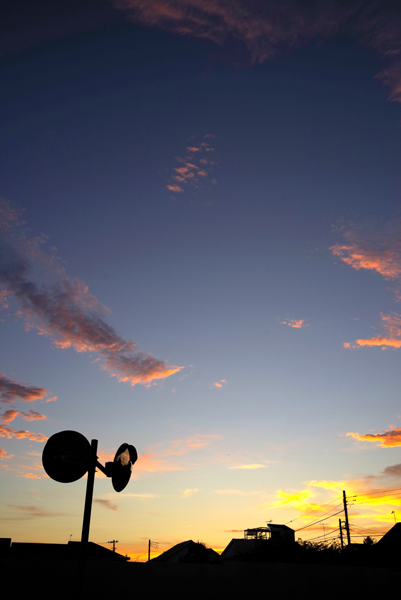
column 297, row 324
column 391, row 338
column 375, row 248
column 389, row 438
column 65, row 311
column 4, row 455
column 219, row 384
column 152, row 463
column 9, row 432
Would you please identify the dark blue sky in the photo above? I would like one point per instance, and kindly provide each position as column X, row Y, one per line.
column 263, row 293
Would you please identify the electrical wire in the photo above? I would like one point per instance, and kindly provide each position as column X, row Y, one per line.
column 319, row 521
column 314, row 510
column 326, row 513
column 384, row 492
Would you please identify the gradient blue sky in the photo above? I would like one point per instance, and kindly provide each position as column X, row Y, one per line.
column 225, row 180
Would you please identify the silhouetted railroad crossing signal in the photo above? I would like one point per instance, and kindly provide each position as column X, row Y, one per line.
column 68, row 455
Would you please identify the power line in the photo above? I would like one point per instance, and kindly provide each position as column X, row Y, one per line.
column 326, row 513
column 319, row 521
column 314, row 510
column 384, row 492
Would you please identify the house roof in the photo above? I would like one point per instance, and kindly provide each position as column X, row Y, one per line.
column 391, row 538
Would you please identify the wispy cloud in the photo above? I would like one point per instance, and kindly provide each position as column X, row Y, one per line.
column 296, row 324
column 390, row 338
column 9, row 415
column 32, row 512
column 4, row 455
column 237, row 492
column 262, row 29
column 106, row 504
column 165, row 459
column 251, row 467
column 10, row 391
column 65, row 310
column 219, row 384
column 374, row 247
column 195, row 442
column 195, row 168
column 389, row 438
column 20, row 434
column 189, row 492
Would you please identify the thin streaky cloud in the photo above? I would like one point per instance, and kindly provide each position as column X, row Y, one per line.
column 105, row 504
column 250, row 467
column 65, row 311
column 35, row 511
column 5, row 455
column 257, row 31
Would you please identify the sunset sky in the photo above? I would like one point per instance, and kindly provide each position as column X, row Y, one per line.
column 200, row 255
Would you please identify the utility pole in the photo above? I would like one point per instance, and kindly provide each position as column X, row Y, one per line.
column 149, row 551
column 114, row 542
column 346, row 517
column 341, row 535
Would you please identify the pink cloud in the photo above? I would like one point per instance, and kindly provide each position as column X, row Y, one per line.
column 175, row 188
column 106, row 504
column 194, row 168
column 262, row 29
column 66, row 311
column 11, row 391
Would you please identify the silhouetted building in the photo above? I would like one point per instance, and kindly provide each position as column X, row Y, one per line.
column 391, row 541
column 259, row 539
column 26, row 550
column 188, row 551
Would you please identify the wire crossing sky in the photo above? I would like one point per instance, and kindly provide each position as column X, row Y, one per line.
column 200, row 255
